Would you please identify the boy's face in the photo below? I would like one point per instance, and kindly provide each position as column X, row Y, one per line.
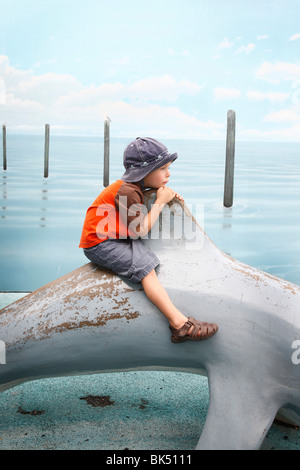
column 159, row 177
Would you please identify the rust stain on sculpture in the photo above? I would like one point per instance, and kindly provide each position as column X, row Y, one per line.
column 261, row 277
column 46, row 329
column 88, row 297
column 98, row 321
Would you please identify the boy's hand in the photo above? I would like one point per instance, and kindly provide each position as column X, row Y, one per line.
column 165, row 194
column 179, row 196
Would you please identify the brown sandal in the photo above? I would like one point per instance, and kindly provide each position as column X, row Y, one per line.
column 206, row 331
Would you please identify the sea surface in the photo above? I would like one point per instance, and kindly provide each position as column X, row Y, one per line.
column 41, row 218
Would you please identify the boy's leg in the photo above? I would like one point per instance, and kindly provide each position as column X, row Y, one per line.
column 158, row 295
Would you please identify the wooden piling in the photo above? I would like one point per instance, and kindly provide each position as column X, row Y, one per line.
column 106, row 153
column 46, row 152
column 4, row 147
column 229, row 166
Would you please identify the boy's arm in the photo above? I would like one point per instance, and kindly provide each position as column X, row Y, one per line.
column 149, row 220
column 163, row 196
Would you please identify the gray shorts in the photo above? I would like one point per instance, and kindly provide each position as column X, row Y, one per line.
column 130, row 258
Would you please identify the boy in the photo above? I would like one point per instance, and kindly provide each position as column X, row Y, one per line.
column 110, row 241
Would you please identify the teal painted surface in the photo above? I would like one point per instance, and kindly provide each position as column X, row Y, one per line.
column 171, row 421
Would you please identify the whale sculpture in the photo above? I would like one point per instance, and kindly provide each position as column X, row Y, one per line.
column 92, row 321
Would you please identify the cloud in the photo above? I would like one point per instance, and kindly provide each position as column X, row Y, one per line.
column 225, row 44
column 2, row 91
column 64, row 89
column 222, row 94
column 272, row 97
column 28, row 101
column 284, row 115
column 164, row 88
column 171, row 52
column 294, row 37
column 246, row 49
column 123, row 60
column 290, row 134
column 10, row 75
column 262, row 36
column 161, row 121
column 45, row 89
column 278, row 71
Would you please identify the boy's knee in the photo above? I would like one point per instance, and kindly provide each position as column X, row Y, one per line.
column 150, row 275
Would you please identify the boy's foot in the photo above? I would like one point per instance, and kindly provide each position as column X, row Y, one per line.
column 193, row 330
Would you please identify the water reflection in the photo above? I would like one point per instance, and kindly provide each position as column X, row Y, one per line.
column 227, row 217
column 4, row 196
column 44, row 194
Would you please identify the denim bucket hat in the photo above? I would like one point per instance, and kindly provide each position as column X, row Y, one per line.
column 142, row 156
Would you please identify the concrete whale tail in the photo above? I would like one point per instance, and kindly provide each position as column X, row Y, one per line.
column 93, row 321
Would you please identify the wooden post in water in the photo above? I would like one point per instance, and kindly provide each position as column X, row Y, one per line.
column 106, row 152
column 229, row 167
column 4, row 147
column 46, row 152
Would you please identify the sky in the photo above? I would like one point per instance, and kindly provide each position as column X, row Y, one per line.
column 160, row 68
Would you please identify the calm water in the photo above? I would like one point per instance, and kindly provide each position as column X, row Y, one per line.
column 41, row 219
